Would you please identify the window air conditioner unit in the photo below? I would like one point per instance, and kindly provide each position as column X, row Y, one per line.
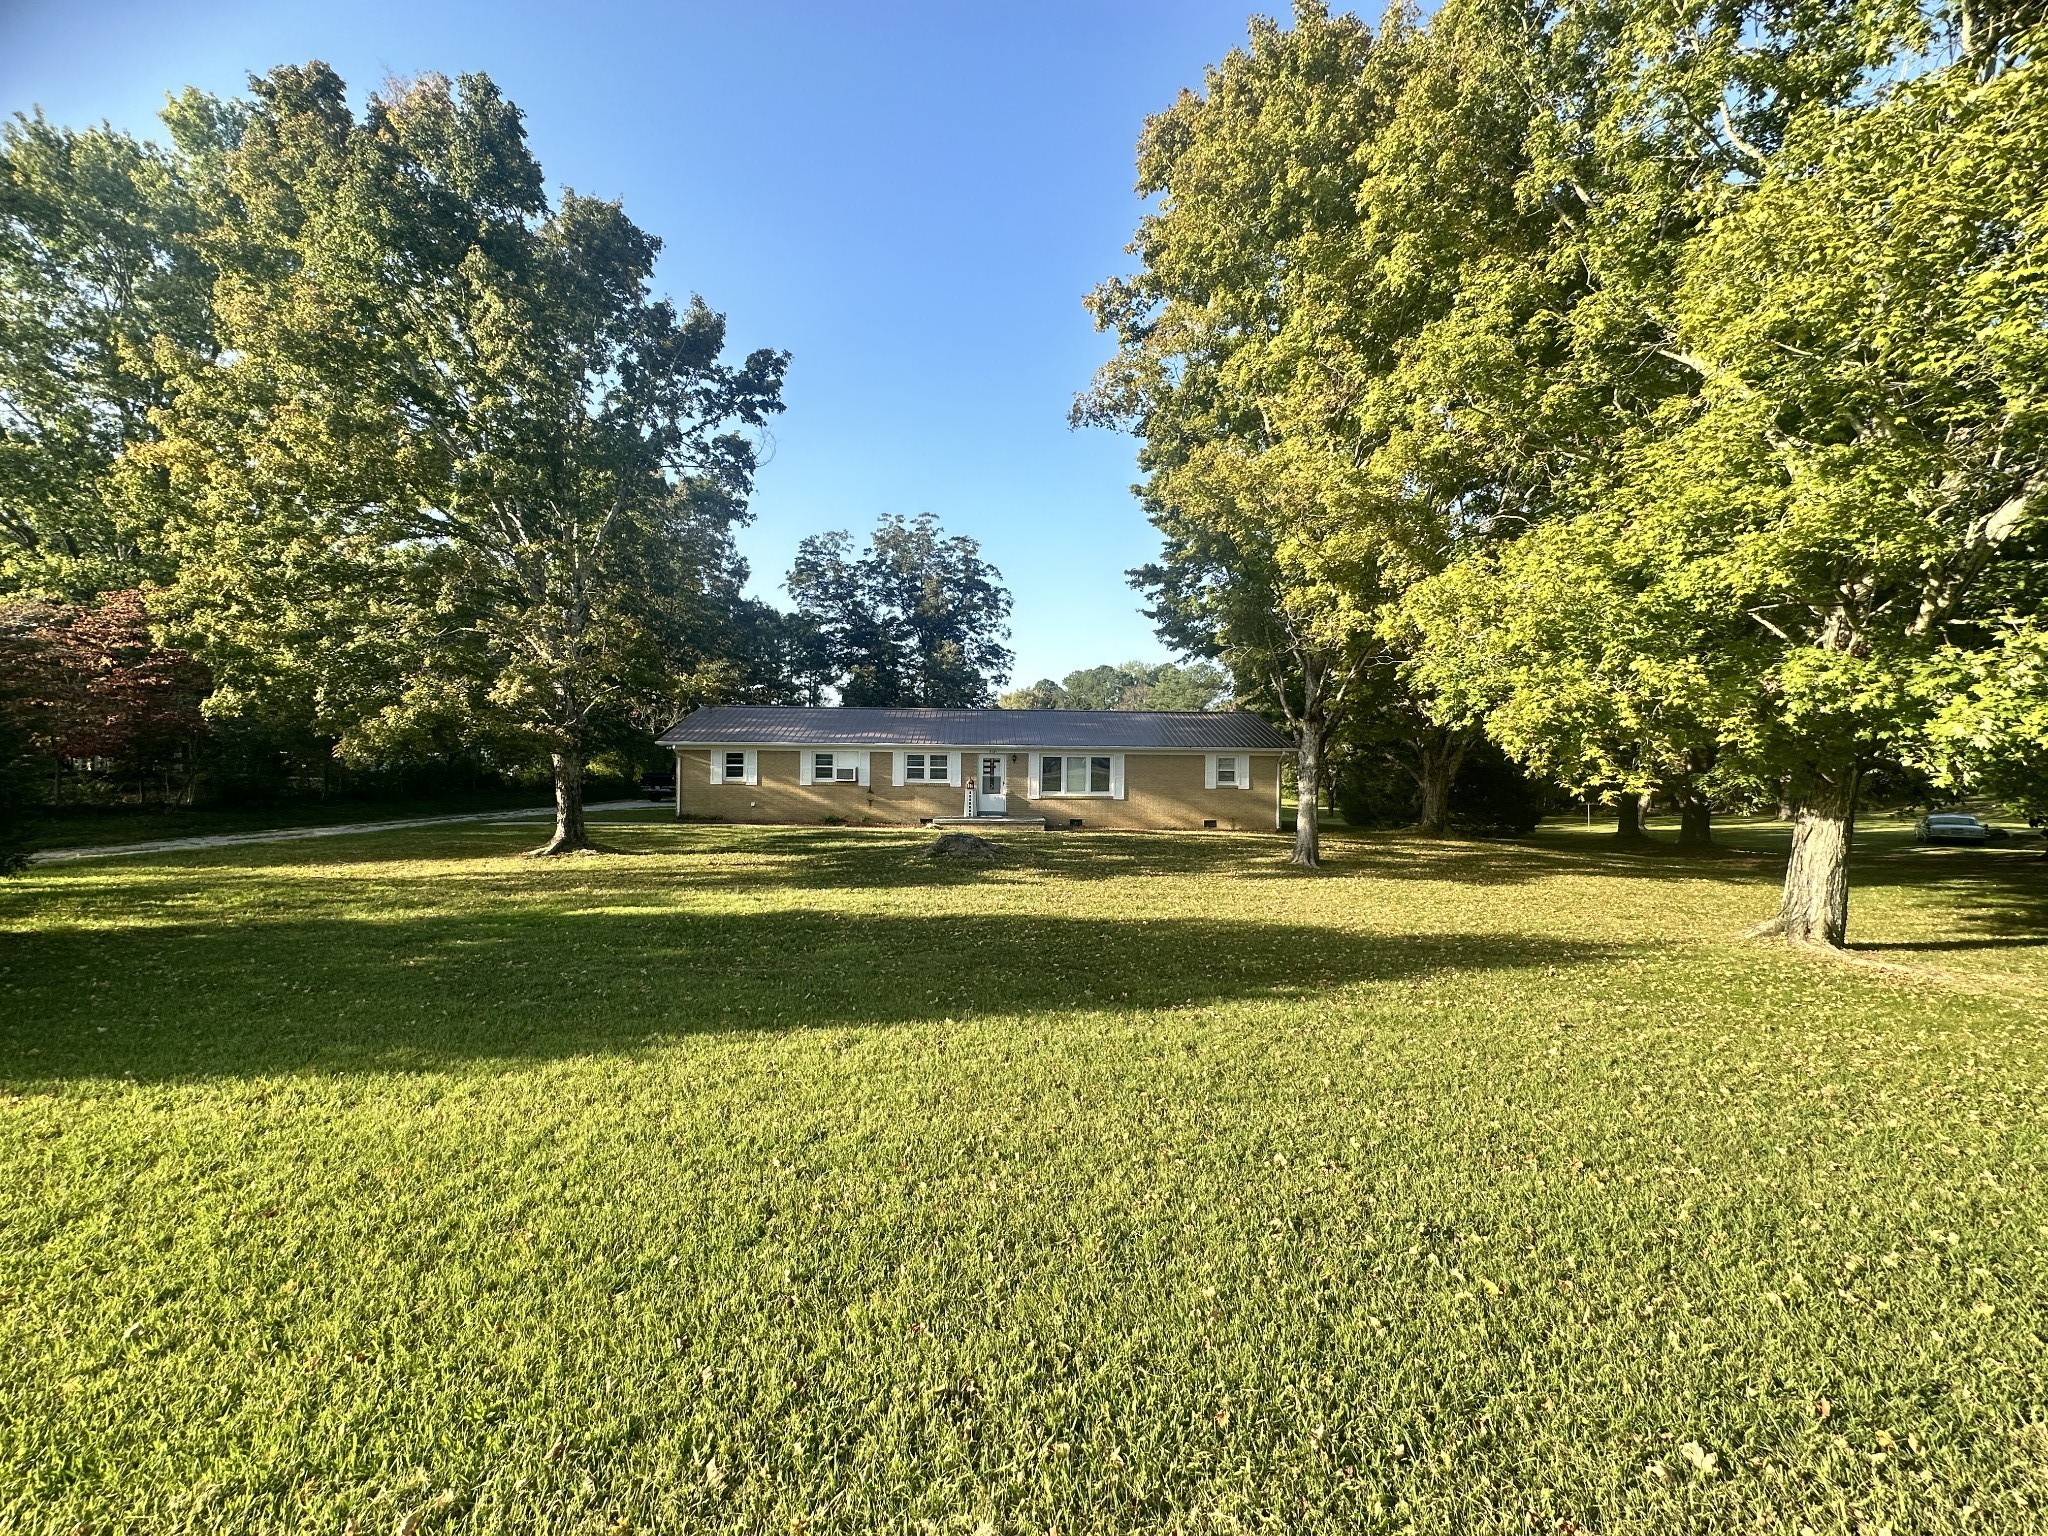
column 846, row 775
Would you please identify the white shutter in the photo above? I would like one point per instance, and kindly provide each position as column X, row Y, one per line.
column 1031, row 762
column 804, row 758
column 1116, row 776
column 717, row 765
column 753, row 767
column 897, row 780
column 1209, row 771
column 860, row 765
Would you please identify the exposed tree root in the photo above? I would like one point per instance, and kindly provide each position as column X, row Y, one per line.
column 563, row 848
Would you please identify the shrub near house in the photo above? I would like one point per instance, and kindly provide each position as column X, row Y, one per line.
column 1116, row 769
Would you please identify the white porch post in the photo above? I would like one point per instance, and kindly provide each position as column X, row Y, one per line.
column 679, row 783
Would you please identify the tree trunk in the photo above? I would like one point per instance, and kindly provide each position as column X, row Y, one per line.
column 1308, row 785
column 1695, row 816
column 1628, row 825
column 570, row 834
column 1438, row 757
column 1695, row 819
column 1815, row 905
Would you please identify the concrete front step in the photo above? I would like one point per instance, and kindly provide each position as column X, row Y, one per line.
column 989, row 821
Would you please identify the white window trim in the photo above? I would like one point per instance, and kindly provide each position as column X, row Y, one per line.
column 752, row 775
column 1040, row 792
column 952, row 756
column 1243, row 776
column 842, row 757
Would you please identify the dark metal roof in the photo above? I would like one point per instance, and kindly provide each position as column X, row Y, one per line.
column 779, row 725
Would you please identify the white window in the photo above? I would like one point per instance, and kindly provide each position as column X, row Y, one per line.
column 1228, row 773
column 735, row 767
column 834, row 767
column 927, row 767
column 1094, row 775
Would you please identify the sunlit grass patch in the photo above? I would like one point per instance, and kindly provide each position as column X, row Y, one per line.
column 778, row 1179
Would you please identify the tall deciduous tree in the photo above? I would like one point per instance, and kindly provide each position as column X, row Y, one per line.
column 1839, row 487
column 455, row 468
column 917, row 618
column 1344, row 348
column 1865, row 473
column 1295, row 649
column 95, row 266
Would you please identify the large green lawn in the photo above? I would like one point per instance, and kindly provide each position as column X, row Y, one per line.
column 779, row 1181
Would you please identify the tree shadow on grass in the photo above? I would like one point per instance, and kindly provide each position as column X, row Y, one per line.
column 202, row 1000
column 1994, row 894
column 1518, row 861
column 736, row 858
column 1993, row 906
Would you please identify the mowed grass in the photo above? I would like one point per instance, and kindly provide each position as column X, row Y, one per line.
column 777, row 1180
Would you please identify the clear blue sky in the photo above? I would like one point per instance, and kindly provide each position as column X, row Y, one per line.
column 911, row 198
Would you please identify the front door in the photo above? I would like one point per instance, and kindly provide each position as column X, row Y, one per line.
column 992, row 800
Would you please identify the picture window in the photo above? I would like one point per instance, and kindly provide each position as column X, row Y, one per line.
column 1075, row 776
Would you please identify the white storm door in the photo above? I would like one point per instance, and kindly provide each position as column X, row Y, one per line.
column 989, row 783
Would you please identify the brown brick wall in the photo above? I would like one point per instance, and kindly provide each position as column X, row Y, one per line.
column 1162, row 790
column 780, row 798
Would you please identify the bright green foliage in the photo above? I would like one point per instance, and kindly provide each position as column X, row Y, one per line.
column 1577, row 663
column 457, row 476
column 1248, row 480
column 1348, row 350
column 1864, row 475
column 95, row 268
column 917, row 619
column 777, row 1179
column 1132, row 685
column 1779, row 566
column 1988, row 730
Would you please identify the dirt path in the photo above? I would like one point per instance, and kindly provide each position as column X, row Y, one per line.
column 294, row 834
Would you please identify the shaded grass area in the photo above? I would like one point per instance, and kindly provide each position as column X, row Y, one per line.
column 777, row 1179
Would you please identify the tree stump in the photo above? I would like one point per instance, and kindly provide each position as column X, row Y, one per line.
column 964, row 847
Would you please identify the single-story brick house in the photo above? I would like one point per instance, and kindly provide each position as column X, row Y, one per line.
column 1128, row 770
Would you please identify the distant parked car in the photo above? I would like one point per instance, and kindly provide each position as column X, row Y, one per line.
column 1955, row 827
column 658, row 786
